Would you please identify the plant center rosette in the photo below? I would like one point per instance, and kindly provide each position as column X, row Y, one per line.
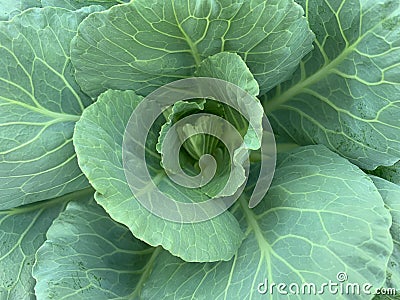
column 202, row 149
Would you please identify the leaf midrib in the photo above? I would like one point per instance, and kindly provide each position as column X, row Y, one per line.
column 43, row 111
column 47, row 203
column 278, row 100
column 146, row 273
column 266, row 250
column 262, row 243
column 274, row 103
column 192, row 46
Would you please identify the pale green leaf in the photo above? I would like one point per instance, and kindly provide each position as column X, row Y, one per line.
column 76, row 4
column 10, row 8
column 179, row 109
column 98, row 142
column 201, row 144
column 22, row 232
column 88, row 255
column 391, row 196
column 345, row 94
column 321, row 216
column 229, row 67
column 146, row 44
column 39, row 105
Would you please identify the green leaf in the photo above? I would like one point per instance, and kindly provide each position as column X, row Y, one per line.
column 22, row 232
column 321, row 216
column 10, row 8
column 40, row 103
column 98, row 142
column 146, row 44
column 87, row 255
column 201, row 144
column 391, row 173
column 76, row 4
column 345, row 93
column 229, row 67
column 178, row 110
column 391, row 196
column 386, row 297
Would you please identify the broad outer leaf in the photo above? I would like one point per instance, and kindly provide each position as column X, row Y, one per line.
column 10, row 8
column 76, row 4
column 39, row 105
column 321, row 216
column 22, row 232
column 88, row 255
column 391, row 173
column 146, row 44
column 98, row 142
column 346, row 93
column 391, row 196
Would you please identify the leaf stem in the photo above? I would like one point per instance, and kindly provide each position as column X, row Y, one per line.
column 192, row 46
column 283, row 147
column 48, row 203
column 147, row 270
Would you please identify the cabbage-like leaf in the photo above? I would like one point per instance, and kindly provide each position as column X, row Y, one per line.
column 346, row 93
column 226, row 66
column 88, row 255
column 391, row 173
column 145, row 44
column 231, row 68
column 198, row 145
column 98, row 141
column 76, row 4
column 22, row 232
column 10, row 8
column 179, row 109
column 40, row 103
column 321, row 216
column 391, row 196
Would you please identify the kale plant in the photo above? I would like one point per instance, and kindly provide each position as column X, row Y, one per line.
column 75, row 79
